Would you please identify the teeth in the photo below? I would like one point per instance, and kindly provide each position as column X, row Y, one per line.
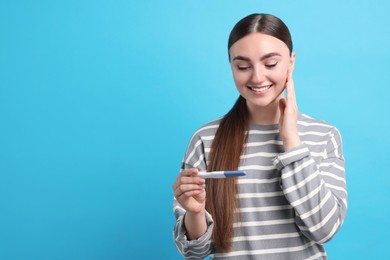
column 260, row 89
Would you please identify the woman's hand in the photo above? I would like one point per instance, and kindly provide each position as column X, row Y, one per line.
column 288, row 122
column 189, row 191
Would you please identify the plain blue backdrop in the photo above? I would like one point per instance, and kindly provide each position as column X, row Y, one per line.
column 98, row 100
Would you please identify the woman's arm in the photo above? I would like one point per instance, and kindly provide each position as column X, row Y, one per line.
column 193, row 229
column 317, row 192
column 191, row 248
column 194, row 225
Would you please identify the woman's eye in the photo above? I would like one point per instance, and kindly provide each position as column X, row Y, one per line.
column 271, row 65
column 242, row 67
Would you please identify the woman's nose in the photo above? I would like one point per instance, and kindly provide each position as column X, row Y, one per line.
column 257, row 75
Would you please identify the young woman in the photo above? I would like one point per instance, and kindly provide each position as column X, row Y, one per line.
column 293, row 198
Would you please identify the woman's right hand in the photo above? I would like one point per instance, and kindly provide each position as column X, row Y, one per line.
column 189, row 191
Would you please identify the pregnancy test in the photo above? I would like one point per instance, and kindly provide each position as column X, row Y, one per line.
column 221, row 174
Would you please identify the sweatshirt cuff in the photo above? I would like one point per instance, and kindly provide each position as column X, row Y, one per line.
column 181, row 236
column 283, row 159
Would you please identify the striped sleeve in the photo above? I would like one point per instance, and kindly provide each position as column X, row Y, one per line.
column 201, row 247
column 191, row 249
column 316, row 190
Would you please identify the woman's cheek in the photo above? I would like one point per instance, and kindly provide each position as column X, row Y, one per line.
column 240, row 79
column 278, row 77
column 281, row 75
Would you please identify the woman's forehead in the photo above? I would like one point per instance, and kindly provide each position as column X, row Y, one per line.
column 258, row 44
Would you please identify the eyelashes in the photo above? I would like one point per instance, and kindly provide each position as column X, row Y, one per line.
column 271, row 65
column 268, row 66
column 242, row 68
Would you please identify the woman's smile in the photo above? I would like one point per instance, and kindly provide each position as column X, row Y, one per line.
column 260, row 90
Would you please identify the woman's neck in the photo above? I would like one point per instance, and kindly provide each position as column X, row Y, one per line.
column 268, row 115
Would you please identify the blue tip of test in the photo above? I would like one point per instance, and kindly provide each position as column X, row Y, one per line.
column 234, row 173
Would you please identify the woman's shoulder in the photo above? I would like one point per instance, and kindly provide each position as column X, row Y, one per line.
column 208, row 128
column 205, row 132
column 308, row 123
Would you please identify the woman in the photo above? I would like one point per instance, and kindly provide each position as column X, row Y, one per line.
column 293, row 198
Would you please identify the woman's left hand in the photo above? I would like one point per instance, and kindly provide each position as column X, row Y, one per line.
column 288, row 122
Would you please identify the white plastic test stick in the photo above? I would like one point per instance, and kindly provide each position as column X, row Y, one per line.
column 221, row 174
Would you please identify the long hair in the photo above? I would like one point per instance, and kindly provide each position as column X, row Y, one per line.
column 231, row 136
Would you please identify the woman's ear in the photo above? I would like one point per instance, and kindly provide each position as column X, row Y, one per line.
column 292, row 61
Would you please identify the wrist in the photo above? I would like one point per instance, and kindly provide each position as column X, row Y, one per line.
column 199, row 215
column 196, row 224
column 290, row 144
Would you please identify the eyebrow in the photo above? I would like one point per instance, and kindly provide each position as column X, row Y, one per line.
column 266, row 56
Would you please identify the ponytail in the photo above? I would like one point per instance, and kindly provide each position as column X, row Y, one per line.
column 225, row 154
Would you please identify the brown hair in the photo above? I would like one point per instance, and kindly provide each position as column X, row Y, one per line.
column 230, row 137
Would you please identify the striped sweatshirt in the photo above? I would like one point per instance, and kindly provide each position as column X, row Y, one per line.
column 289, row 203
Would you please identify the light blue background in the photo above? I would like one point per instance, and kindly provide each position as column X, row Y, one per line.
column 98, row 100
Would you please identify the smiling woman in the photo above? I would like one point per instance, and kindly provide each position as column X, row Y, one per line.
column 260, row 65
column 293, row 197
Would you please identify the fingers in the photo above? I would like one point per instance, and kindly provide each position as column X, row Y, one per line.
column 188, row 184
column 187, row 189
column 289, row 76
column 288, row 125
column 290, row 91
column 290, row 86
column 190, row 176
column 188, row 194
column 189, row 172
column 184, row 192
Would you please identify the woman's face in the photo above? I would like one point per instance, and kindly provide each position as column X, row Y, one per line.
column 260, row 65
